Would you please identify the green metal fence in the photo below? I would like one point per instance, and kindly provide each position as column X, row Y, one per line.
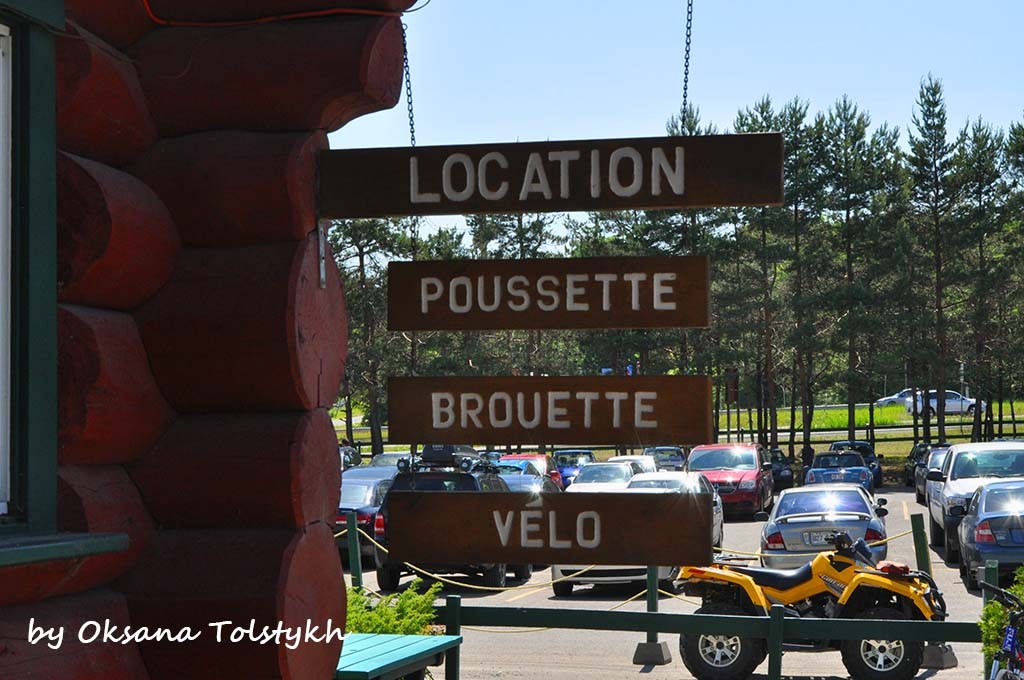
column 774, row 628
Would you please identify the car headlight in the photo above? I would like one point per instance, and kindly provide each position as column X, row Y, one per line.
column 748, row 484
column 957, row 500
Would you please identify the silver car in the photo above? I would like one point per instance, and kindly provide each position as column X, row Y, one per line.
column 803, row 518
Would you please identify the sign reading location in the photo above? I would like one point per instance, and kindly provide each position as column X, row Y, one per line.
column 644, row 410
column 573, row 293
column 615, row 174
column 569, row 528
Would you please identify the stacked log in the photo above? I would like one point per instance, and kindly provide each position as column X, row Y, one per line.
column 202, row 329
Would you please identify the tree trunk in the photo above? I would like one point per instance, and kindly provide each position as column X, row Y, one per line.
column 718, row 406
column 349, row 434
column 792, row 406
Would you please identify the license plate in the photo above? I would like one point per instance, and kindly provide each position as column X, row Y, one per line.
column 817, row 537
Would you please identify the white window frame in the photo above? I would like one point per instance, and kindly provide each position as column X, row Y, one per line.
column 6, row 233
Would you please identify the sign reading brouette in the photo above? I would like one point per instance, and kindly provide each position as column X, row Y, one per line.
column 643, row 410
column 607, row 174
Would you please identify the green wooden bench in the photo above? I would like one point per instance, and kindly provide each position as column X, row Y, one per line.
column 367, row 656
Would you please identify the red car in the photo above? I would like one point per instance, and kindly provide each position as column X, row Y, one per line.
column 544, row 463
column 742, row 474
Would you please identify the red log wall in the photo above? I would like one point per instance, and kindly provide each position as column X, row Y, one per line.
column 189, row 276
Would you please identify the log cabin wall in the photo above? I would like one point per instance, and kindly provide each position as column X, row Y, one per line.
column 198, row 347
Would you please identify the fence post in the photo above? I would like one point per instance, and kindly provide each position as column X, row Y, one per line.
column 652, row 598
column 775, row 623
column 355, row 557
column 991, row 577
column 924, row 558
column 452, row 626
column 652, row 652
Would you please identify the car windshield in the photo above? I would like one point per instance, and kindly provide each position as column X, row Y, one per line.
column 599, row 473
column 356, row 493
column 937, row 458
column 669, row 483
column 668, row 456
column 435, row 482
column 838, row 460
column 516, row 467
column 824, row 501
column 1010, row 501
column 998, row 463
column 387, row 459
column 722, row 459
column 574, row 459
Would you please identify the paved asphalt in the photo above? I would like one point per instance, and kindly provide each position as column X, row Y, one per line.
column 570, row 654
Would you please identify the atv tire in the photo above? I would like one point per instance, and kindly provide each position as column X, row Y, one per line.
column 721, row 657
column 882, row 659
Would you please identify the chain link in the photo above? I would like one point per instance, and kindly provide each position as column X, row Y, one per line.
column 686, row 57
column 408, row 88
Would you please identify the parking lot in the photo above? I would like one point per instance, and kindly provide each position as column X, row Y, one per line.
column 558, row 654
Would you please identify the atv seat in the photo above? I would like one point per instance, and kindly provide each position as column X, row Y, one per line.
column 779, row 579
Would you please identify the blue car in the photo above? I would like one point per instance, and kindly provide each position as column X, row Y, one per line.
column 569, row 462
column 837, row 467
column 867, row 452
column 992, row 529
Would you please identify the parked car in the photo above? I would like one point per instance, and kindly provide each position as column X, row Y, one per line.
column 562, row 575
column 956, row 403
column 917, row 458
column 936, row 459
column 966, row 467
column 804, row 518
column 604, row 477
column 362, row 491
column 569, row 462
column 895, row 399
column 667, row 457
column 646, row 463
column 741, row 473
column 867, row 452
column 523, row 475
column 836, row 467
column 438, row 478
column 933, row 455
column 991, row 528
column 545, row 464
column 689, row 482
column 783, row 476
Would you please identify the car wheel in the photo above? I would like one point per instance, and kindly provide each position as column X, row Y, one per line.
column 522, row 572
column 494, row 577
column 388, row 577
column 968, row 576
column 562, row 588
column 950, row 547
column 720, row 657
column 918, row 496
column 936, row 534
column 882, row 659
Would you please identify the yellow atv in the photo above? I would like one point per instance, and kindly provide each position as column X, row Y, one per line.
column 841, row 584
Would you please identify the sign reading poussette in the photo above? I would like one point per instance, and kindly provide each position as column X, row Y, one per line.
column 609, row 174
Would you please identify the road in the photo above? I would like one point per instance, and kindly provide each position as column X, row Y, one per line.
column 569, row 654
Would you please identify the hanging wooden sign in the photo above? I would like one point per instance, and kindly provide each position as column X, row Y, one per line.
column 609, row 174
column 553, row 528
column 603, row 292
column 577, row 410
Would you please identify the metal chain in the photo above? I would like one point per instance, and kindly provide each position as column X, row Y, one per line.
column 686, row 58
column 408, row 88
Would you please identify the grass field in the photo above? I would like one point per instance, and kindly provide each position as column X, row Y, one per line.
column 835, row 418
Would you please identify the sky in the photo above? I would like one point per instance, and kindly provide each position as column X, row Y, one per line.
column 528, row 70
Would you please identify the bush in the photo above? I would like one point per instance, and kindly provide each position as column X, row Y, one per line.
column 994, row 619
column 407, row 613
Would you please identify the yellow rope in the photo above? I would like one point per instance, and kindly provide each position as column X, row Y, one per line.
column 341, row 533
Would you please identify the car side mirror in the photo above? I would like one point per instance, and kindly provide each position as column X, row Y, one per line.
column 766, row 466
column 761, row 516
column 881, row 512
column 935, row 476
column 957, row 511
column 881, row 501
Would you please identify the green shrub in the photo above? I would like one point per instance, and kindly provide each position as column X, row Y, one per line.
column 994, row 619
column 407, row 613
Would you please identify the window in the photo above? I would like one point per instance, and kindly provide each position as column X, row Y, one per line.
column 6, row 111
